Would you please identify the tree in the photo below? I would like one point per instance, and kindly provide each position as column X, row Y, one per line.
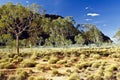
column 79, row 39
column 93, row 34
column 117, row 35
column 16, row 19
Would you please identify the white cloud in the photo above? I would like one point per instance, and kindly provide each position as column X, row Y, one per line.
column 27, row 1
column 93, row 14
column 88, row 19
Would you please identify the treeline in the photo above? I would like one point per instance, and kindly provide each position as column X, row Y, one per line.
column 31, row 26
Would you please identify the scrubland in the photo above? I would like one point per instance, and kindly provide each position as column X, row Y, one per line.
column 61, row 64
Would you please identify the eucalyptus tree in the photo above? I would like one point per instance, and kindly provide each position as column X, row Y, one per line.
column 79, row 39
column 16, row 19
column 117, row 35
column 92, row 33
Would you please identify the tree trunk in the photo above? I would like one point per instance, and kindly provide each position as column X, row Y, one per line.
column 17, row 44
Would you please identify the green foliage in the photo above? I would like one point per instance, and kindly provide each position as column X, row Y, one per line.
column 117, row 35
column 30, row 26
column 79, row 39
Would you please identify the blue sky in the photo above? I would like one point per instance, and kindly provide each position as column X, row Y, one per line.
column 103, row 13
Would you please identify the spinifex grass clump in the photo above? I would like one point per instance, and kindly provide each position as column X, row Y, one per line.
column 53, row 60
column 11, row 77
column 55, row 72
column 95, row 56
column 42, row 68
column 2, row 76
column 28, row 63
column 62, row 62
column 74, row 76
column 83, row 65
column 21, row 74
column 7, row 65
